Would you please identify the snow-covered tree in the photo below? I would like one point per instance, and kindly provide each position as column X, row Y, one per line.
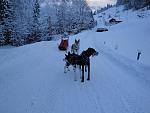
column 3, row 5
column 36, row 24
column 8, row 22
column 49, row 28
column 61, row 16
column 22, row 21
column 2, row 17
column 28, row 21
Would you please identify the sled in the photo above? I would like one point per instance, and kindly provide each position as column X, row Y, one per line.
column 63, row 44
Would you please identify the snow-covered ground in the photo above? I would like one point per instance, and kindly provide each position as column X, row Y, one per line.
column 32, row 78
column 128, row 37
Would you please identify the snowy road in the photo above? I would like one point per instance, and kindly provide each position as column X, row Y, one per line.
column 32, row 81
column 123, row 86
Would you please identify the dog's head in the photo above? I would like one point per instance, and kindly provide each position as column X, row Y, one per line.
column 77, row 41
column 92, row 52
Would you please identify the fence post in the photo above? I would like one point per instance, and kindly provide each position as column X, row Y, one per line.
column 138, row 56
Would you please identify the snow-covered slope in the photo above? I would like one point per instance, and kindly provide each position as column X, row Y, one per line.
column 32, row 79
column 128, row 37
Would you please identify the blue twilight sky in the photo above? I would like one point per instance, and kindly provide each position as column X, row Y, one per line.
column 100, row 3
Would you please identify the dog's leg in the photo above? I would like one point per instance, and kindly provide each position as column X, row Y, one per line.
column 82, row 73
column 85, row 68
column 75, row 76
column 68, row 68
column 65, row 69
column 71, row 49
column 88, row 71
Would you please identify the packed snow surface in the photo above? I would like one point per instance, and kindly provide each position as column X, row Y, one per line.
column 32, row 78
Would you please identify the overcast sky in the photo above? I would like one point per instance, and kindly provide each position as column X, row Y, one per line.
column 96, row 3
column 100, row 2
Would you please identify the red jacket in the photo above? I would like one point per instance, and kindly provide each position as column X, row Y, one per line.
column 63, row 45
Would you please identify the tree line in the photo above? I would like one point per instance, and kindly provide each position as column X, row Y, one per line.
column 134, row 4
column 28, row 21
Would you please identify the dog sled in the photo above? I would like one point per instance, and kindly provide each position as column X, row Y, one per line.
column 63, row 44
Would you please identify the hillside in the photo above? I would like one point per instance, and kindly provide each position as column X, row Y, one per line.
column 130, row 36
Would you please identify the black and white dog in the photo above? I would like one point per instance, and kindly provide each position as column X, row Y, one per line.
column 82, row 60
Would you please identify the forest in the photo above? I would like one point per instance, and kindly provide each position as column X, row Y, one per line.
column 29, row 21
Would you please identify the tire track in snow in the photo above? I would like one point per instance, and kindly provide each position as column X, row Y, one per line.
column 129, row 100
column 124, row 63
column 125, row 101
column 112, row 96
column 108, row 94
column 94, row 95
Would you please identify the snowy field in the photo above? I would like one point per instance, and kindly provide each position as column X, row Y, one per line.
column 32, row 78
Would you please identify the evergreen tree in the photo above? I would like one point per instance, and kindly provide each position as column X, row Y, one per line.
column 49, row 29
column 84, row 14
column 2, row 16
column 36, row 23
column 61, row 16
column 8, row 21
column 2, row 10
